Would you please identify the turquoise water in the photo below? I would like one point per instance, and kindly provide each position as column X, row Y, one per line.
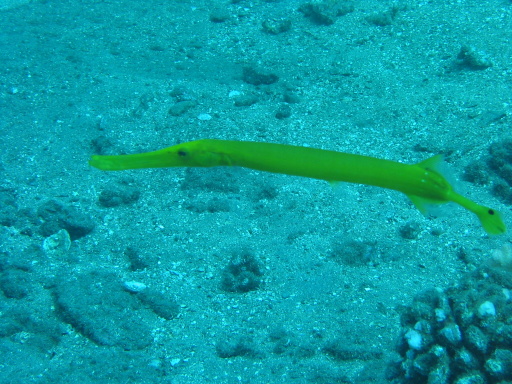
column 232, row 275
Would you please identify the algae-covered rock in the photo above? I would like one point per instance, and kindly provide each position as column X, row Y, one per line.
column 242, row 274
column 469, row 343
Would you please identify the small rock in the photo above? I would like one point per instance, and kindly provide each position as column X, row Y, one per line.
column 383, row 19
column 322, row 12
column 276, row 26
column 476, row 339
column 486, row 309
column 258, row 77
column 471, row 58
column 465, row 360
column 162, row 305
column 410, row 231
column 414, row 339
column 204, row 116
column 499, row 365
column 471, row 378
column 118, row 194
column 57, row 244
column 134, row 286
column 440, row 315
column 234, row 93
column 283, row 112
column 245, row 100
column 181, row 107
column 15, row 283
column 174, row 362
column 57, row 216
column 219, row 15
column 451, row 334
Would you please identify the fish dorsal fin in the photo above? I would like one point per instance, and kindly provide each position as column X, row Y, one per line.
column 424, row 205
column 431, row 163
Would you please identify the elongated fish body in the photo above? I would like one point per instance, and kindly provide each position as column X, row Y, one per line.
column 327, row 165
column 422, row 183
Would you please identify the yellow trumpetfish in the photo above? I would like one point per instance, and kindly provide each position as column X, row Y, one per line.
column 422, row 182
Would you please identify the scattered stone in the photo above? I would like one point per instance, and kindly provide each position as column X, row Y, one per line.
column 57, row 216
column 242, row 274
column 219, row 15
column 499, row 365
column 243, row 346
column 491, row 116
column 476, row 173
column 502, row 257
column 283, row 112
column 258, row 76
column 470, row 58
column 354, row 253
column 181, row 107
column 15, row 283
column 213, row 205
column 182, row 93
column 234, row 93
column 471, row 378
column 162, row 305
column 102, row 145
column 204, row 116
column 486, row 309
column 501, row 163
column 291, row 98
column 410, row 230
column 276, row 26
column 134, row 286
column 414, row 339
column 325, row 12
column 215, row 180
column 476, row 339
column 8, row 208
column 137, row 263
column 57, row 244
column 383, row 19
column 465, row 360
column 340, row 350
column 451, row 335
column 472, row 346
column 245, row 100
column 115, row 195
column 101, row 309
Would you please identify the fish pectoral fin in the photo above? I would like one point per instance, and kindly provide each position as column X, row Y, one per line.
column 423, row 204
